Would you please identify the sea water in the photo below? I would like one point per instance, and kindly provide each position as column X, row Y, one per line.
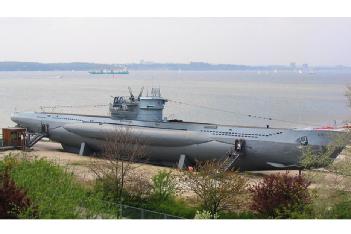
column 247, row 98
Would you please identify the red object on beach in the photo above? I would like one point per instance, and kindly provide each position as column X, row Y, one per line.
column 325, row 128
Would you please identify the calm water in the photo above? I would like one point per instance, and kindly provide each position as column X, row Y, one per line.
column 301, row 99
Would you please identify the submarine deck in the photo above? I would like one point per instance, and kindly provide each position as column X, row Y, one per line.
column 168, row 121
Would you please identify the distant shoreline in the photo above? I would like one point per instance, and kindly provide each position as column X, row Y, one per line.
column 193, row 66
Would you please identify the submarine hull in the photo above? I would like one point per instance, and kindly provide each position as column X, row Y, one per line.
column 165, row 142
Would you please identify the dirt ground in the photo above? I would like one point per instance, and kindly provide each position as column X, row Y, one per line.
column 79, row 165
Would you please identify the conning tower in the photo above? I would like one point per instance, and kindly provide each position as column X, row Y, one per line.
column 151, row 106
column 124, row 108
column 143, row 108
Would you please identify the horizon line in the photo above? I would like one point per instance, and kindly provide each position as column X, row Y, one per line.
column 145, row 62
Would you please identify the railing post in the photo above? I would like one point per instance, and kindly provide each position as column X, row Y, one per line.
column 142, row 214
column 120, row 210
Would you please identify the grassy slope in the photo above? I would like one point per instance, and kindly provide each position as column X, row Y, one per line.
column 54, row 191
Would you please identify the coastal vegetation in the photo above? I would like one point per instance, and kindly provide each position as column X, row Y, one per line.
column 54, row 193
column 280, row 195
column 312, row 160
column 13, row 200
column 120, row 151
column 39, row 188
column 216, row 189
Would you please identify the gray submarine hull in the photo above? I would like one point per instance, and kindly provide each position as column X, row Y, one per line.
column 167, row 142
column 164, row 146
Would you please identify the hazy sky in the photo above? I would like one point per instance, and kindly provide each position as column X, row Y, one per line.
column 261, row 41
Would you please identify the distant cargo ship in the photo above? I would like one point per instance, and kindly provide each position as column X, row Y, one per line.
column 121, row 71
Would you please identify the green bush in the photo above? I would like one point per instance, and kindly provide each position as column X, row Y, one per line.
column 204, row 214
column 109, row 190
column 341, row 210
column 164, row 186
column 94, row 206
column 53, row 191
column 172, row 206
column 311, row 159
column 161, row 198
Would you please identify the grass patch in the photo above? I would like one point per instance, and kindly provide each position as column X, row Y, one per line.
column 328, row 204
column 173, row 206
column 55, row 192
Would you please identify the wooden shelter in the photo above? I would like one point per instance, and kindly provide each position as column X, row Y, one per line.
column 15, row 137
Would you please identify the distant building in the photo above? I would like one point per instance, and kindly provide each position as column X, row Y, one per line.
column 305, row 66
column 292, row 65
column 142, row 61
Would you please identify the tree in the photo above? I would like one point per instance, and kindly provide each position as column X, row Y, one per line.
column 332, row 193
column 316, row 159
column 278, row 195
column 121, row 149
column 216, row 188
column 312, row 159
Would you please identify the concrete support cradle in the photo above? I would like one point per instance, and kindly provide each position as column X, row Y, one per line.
column 183, row 162
column 82, row 151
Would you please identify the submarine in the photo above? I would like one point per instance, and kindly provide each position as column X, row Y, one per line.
column 176, row 142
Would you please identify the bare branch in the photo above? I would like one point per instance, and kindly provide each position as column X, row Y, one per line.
column 121, row 149
column 217, row 189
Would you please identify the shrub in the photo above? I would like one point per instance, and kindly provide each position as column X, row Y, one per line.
column 204, row 214
column 311, row 159
column 108, row 188
column 164, row 186
column 278, row 195
column 341, row 210
column 216, row 189
column 138, row 188
column 139, row 192
column 316, row 159
column 53, row 191
column 171, row 206
column 120, row 150
column 9, row 162
column 13, row 200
